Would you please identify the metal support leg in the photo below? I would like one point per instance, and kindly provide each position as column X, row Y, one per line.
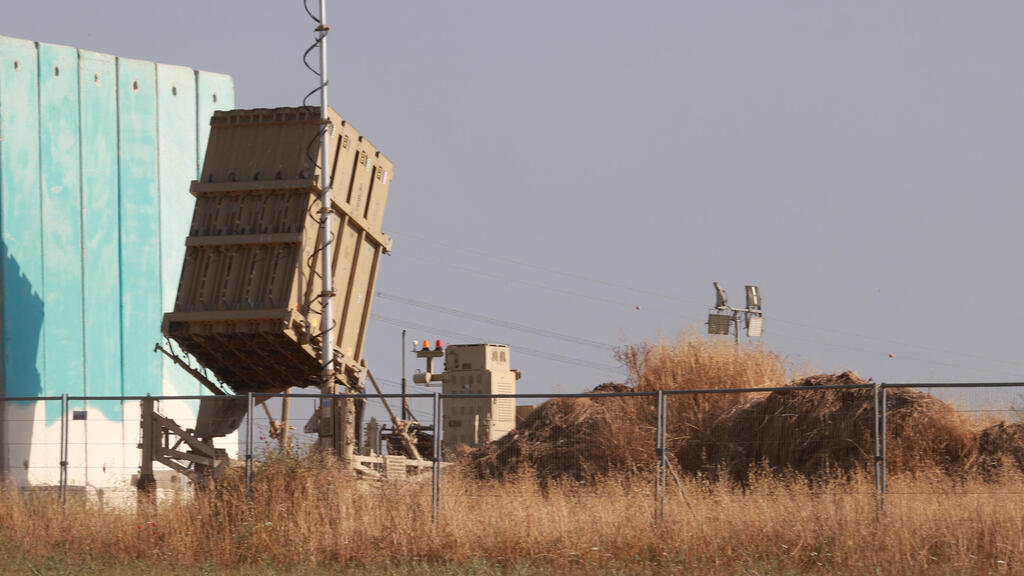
column 435, row 502
column 146, row 483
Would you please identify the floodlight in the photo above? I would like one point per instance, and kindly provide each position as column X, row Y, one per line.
column 755, row 326
column 719, row 323
column 753, row 298
column 720, row 297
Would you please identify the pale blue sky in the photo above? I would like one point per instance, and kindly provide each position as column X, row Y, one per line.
column 858, row 161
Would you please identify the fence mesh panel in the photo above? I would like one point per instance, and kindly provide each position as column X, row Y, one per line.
column 757, row 445
column 566, row 453
column 31, row 437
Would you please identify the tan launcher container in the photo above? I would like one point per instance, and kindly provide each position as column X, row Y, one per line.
column 248, row 301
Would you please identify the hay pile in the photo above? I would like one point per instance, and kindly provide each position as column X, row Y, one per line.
column 815, row 432
column 809, row 432
column 573, row 439
column 1001, row 447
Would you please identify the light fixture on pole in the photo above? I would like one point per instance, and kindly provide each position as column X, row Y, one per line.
column 726, row 317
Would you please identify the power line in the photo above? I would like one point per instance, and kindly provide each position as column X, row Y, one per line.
column 901, row 343
column 519, row 349
column 583, row 341
column 551, row 270
column 572, row 293
column 901, row 356
column 573, row 339
column 496, row 321
column 688, row 301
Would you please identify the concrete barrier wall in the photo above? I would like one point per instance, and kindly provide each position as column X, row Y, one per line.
column 96, row 157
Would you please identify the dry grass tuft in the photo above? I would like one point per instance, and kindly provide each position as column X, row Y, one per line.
column 695, row 362
column 307, row 516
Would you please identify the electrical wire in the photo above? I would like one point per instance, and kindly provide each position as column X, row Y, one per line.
column 690, row 301
column 496, row 321
column 572, row 275
column 606, row 368
column 564, row 291
column 876, row 353
column 691, row 318
column 305, row 4
column 325, row 211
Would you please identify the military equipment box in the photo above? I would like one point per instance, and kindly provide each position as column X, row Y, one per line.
column 247, row 306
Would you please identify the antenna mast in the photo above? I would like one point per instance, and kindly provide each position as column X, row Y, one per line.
column 327, row 276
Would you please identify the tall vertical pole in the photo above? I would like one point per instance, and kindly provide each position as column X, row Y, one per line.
column 405, row 401
column 329, row 411
column 435, row 500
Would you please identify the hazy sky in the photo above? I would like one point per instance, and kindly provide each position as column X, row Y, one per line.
column 560, row 163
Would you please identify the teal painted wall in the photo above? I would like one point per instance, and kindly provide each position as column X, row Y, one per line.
column 21, row 221
column 96, row 157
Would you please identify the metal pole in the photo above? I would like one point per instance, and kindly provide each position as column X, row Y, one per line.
column 659, row 450
column 885, row 462
column 63, row 487
column 875, row 416
column 405, row 401
column 326, row 264
column 435, row 502
column 4, row 467
column 249, row 432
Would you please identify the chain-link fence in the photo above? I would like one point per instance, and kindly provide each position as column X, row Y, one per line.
column 668, row 452
column 32, row 440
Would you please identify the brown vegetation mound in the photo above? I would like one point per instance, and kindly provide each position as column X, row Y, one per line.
column 999, row 446
column 810, row 432
column 573, row 438
column 819, row 432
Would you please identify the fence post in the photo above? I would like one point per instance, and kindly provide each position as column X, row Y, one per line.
column 435, row 497
column 63, row 484
column 884, row 424
column 4, row 469
column 250, row 429
column 875, row 417
column 659, row 451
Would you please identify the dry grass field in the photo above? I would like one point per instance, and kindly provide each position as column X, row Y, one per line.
column 308, row 516
column 753, row 497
